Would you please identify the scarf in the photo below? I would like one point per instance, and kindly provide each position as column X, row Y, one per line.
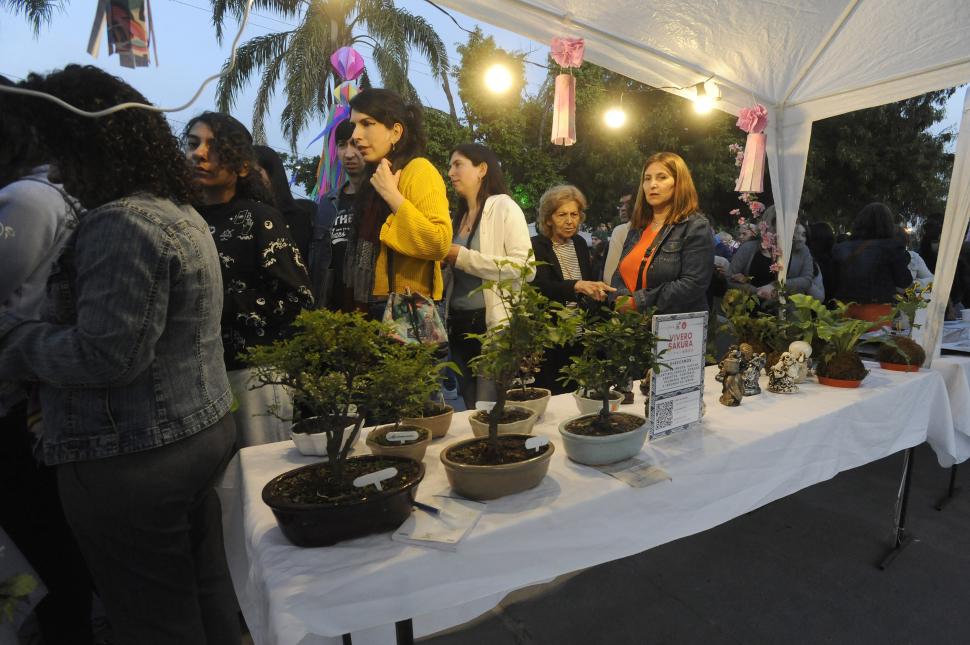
column 364, row 244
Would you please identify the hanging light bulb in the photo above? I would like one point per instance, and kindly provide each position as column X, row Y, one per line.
column 498, row 78
column 703, row 102
column 615, row 117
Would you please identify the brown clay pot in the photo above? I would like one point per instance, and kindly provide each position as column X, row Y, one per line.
column 492, row 482
column 538, row 405
column 414, row 450
column 480, row 429
column 899, row 367
column 838, row 382
column 438, row 424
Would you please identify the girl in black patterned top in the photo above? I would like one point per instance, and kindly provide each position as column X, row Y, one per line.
column 265, row 281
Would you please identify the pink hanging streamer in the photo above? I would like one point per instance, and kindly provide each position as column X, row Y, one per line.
column 564, row 111
column 752, row 176
column 568, row 52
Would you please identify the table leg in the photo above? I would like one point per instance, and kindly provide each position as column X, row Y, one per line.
column 405, row 632
column 901, row 538
column 348, row 640
column 951, row 490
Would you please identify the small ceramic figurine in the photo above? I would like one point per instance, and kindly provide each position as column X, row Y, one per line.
column 803, row 349
column 733, row 352
column 781, row 376
column 752, row 372
column 731, row 389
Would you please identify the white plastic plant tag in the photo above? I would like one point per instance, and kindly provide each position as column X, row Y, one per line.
column 485, row 405
column 375, row 478
column 534, row 443
column 402, row 435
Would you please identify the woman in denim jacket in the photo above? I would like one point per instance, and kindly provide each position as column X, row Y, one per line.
column 668, row 256
column 129, row 360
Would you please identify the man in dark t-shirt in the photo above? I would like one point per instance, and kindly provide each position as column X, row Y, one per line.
column 335, row 220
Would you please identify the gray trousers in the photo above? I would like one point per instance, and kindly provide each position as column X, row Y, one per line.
column 149, row 527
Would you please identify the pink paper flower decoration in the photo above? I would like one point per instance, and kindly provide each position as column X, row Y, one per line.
column 348, row 63
column 756, row 207
column 753, row 119
column 568, row 52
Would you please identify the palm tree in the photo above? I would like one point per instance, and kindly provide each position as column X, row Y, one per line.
column 37, row 12
column 300, row 58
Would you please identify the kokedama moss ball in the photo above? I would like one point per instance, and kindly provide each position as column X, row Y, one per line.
column 906, row 352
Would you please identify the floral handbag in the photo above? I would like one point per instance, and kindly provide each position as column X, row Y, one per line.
column 412, row 317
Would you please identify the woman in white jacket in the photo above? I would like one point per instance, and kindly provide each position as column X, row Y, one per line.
column 488, row 227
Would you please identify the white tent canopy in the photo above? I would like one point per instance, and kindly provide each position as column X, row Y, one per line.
column 804, row 60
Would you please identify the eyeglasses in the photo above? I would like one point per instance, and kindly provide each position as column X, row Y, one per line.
column 573, row 215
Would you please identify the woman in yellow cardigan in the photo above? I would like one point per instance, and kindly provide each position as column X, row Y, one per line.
column 402, row 229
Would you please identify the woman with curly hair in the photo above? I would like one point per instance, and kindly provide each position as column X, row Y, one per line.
column 402, row 229
column 129, row 361
column 265, row 281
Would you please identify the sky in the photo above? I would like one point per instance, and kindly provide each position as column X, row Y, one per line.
column 188, row 53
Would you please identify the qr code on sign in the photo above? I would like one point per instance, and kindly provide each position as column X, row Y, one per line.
column 663, row 414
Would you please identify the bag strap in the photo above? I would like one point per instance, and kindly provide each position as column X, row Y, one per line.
column 390, row 275
column 661, row 234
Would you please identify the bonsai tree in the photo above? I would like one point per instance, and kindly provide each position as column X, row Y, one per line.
column 533, row 324
column 617, row 349
column 327, row 364
column 408, row 379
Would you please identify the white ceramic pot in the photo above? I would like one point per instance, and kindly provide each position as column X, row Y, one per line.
column 539, row 405
column 311, row 440
column 480, row 429
column 589, row 406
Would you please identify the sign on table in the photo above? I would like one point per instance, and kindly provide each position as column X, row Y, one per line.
column 677, row 392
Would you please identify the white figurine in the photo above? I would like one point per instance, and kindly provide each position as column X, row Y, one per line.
column 803, row 349
column 781, row 376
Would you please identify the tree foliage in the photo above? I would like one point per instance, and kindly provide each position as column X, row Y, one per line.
column 882, row 154
column 299, row 59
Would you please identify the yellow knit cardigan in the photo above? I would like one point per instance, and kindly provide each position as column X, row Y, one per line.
column 419, row 233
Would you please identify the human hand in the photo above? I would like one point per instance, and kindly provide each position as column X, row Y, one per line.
column 593, row 289
column 626, row 303
column 452, row 256
column 385, row 182
column 766, row 292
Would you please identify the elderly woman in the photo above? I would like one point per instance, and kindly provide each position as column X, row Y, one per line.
column 669, row 251
column 565, row 271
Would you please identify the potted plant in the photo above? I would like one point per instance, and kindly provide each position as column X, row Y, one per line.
column 524, row 395
column 326, row 364
column 496, row 465
column 617, row 348
column 904, row 354
column 747, row 325
column 401, row 389
column 839, row 365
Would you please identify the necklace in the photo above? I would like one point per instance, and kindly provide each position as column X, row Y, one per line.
column 467, row 222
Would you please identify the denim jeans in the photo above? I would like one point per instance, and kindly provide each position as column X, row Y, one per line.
column 149, row 526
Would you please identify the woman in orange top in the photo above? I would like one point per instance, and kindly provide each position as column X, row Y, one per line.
column 668, row 256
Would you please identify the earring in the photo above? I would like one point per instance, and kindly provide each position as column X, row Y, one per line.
column 393, row 147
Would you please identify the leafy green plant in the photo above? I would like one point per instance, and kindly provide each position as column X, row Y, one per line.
column 533, row 324
column 747, row 324
column 13, row 591
column 408, row 379
column 908, row 303
column 330, row 363
column 617, row 348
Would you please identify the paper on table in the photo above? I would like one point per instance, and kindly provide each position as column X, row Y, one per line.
column 635, row 472
column 455, row 519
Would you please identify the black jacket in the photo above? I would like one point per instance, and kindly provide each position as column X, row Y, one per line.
column 680, row 270
column 549, row 278
column 870, row 270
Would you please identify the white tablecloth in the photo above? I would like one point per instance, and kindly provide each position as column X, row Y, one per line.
column 956, row 374
column 741, row 459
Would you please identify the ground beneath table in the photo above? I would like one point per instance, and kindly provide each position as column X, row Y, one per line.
column 799, row 570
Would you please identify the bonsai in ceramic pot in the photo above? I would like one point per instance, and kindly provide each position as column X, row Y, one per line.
column 327, row 364
column 493, row 466
column 400, row 390
column 617, row 348
column 525, row 395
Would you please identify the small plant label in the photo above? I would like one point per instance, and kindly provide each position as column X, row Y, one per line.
column 375, row 479
column 534, row 443
column 402, row 436
column 485, row 405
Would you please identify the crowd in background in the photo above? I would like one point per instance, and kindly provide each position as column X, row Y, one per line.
column 147, row 264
